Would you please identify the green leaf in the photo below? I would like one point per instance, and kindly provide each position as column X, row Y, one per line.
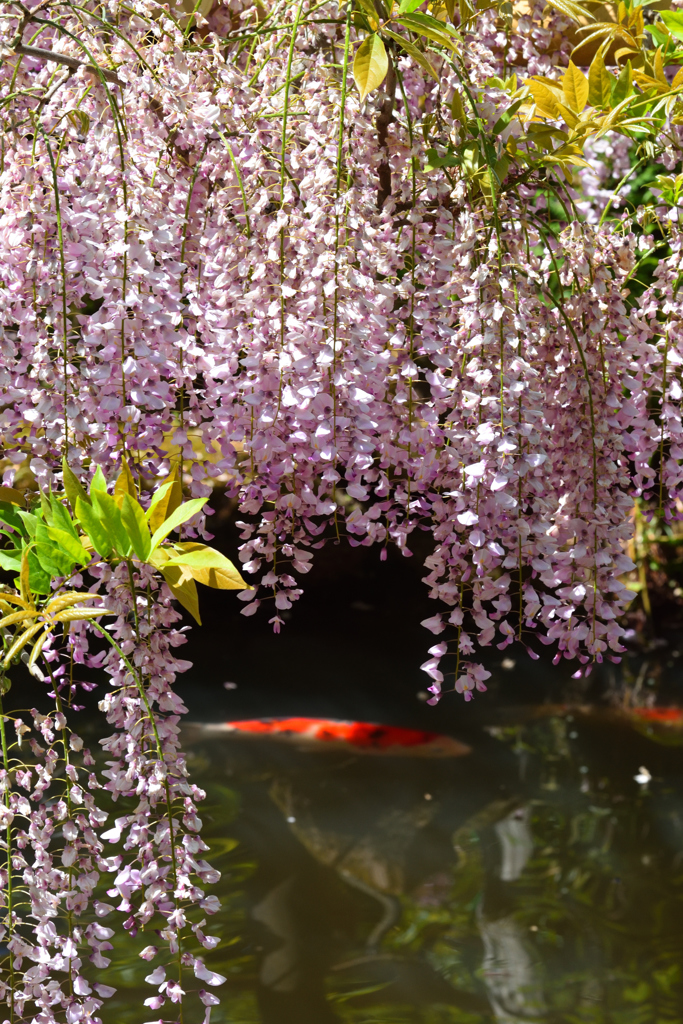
column 30, row 522
column 434, row 160
column 45, row 507
column 623, row 86
column 184, row 590
column 61, row 517
column 51, row 557
column 10, row 559
column 69, row 544
column 427, row 26
column 98, row 482
column 135, row 524
column 110, row 517
column 93, row 527
column 674, row 22
column 165, row 500
column 408, row 6
column 73, row 487
column 10, row 516
column 370, row 65
column 660, row 35
column 38, row 579
column 504, row 119
column 413, row 51
column 177, row 518
column 429, row 21
column 207, row 566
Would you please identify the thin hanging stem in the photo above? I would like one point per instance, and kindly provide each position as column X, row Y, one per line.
column 9, row 886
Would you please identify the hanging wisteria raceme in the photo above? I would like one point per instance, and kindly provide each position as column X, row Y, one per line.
column 52, row 824
column 354, row 269
column 199, row 245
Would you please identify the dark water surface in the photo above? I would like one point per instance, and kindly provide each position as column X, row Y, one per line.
column 533, row 881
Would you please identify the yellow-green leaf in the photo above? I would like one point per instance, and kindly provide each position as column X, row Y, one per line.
column 416, row 54
column 166, row 500
column 177, row 518
column 124, row 484
column 73, row 487
column 544, row 98
column 135, row 524
column 575, row 88
column 21, row 642
column 158, row 557
column 599, row 83
column 370, row 65
column 23, row 576
column 569, row 116
column 457, row 108
column 207, row 566
column 674, row 22
column 12, row 496
column 429, row 27
column 99, row 481
column 37, row 648
column 370, row 13
column 184, row 590
column 69, row 545
column 571, row 9
column 81, row 614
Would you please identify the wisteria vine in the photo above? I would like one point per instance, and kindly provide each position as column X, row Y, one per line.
column 370, row 269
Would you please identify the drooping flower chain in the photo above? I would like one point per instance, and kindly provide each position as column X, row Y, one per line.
column 216, row 265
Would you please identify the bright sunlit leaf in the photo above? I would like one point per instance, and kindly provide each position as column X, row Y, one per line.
column 181, row 515
column 370, row 65
column 575, row 88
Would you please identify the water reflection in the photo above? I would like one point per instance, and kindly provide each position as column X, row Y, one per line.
column 534, row 881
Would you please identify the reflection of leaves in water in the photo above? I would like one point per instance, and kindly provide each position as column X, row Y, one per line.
column 343, row 997
column 598, row 906
column 598, row 899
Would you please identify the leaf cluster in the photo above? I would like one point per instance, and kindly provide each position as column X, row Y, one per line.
column 63, row 533
column 556, row 116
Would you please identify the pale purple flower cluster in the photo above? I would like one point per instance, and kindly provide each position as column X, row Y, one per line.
column 207, row 254
column 350, row 369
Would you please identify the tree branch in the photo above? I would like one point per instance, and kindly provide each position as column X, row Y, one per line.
column 69, row 62
column 384, row 118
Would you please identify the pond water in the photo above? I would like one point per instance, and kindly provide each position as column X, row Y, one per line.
column 537, row 878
